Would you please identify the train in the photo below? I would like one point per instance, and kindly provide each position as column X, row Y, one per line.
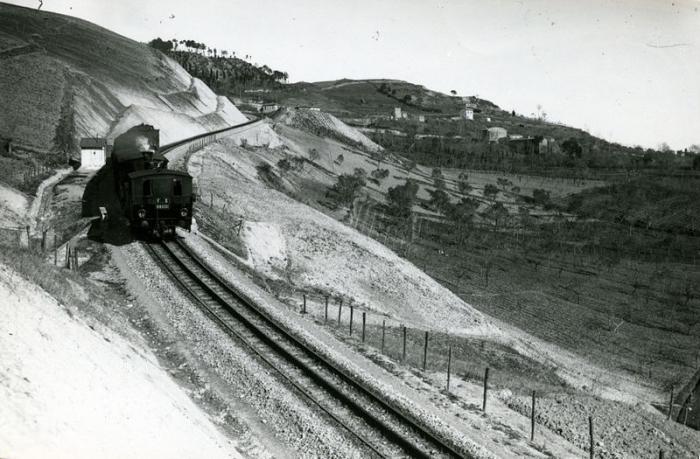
column 154, row 199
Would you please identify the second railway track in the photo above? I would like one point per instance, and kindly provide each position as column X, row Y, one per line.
column 373, row 422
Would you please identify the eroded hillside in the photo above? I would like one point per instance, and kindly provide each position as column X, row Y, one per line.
column 62, row 78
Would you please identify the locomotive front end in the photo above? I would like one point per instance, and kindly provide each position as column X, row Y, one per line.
column 161, row 201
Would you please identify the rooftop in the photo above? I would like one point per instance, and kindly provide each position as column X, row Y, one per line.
column 93, row 142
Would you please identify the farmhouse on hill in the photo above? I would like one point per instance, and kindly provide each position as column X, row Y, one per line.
column 269, row 108
column 494, row 134
column 93, row 152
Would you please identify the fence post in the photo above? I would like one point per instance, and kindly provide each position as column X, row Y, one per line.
column 43, row 239
column 68, row 255
column 383, row 333
column 403, row 354
column 325, row 315
column 532, row 418
column 661, row 454
column 363, row 325
column 76, row 265
column 352, row 310
column 486, row 388
column 590, row 436
column 55, row 251
column 211, row 199
column 449, row 366
column 29, row 241
column 303, row 310
column 425, row 350
column 670, row 404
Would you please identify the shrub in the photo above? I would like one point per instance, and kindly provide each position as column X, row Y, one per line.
column 400, row 198
column 346, row 188
column 490, row 191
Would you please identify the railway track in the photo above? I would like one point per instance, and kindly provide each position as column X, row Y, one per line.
column 376, row 425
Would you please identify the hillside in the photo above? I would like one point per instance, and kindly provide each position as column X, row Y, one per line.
column 433, row 131
column 543, row 312
column 62, row 78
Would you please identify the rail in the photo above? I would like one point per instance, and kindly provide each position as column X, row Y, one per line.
column 401, row 429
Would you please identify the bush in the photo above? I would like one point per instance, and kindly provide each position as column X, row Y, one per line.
column 540, row 196
column 284, row 165
column 380, row 174
column 490, row 191
column 400, row 198
column 346, row 188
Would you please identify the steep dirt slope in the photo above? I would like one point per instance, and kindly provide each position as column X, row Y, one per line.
column 325, row 125
column 95, row 394
column 62, row 78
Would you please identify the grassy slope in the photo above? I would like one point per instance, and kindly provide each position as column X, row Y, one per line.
column 622, row 316
column 625, row 314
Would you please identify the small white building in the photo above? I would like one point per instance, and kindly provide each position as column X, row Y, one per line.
column 397, row 113
column 494, row 134
column 421, row 118
column 93, row 152
column 269, row 108
column 468, row 113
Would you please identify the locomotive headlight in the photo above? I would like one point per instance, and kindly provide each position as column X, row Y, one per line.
column 141, row 213
column 183, row 212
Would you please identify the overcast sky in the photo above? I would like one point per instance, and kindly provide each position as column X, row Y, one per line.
column 625, row 70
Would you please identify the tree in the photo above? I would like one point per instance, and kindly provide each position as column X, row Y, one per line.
column 346, row 189
column 438, row 178
column 380, row 174
column 498, row 213
column 284, row 165
column 462, row 184
column 400, row 198
column 439, row 200
column 161, row 45
column 339, row 160
column 525, row 218
column 453, row 92
column 540, row 196
column 696, row 162
column 410, row 165
column 490, row 191
column 503, row 183
column 462, row 215
column 314, row 155
column 663, row 147
column 298, row 163
column 572, row 148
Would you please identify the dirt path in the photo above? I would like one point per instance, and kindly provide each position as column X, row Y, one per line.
column 39, row 209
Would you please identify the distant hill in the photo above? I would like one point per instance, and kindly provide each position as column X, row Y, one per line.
column 434, row 131
column 62, row 78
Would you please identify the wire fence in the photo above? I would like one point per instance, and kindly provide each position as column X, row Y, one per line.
column 466, row 359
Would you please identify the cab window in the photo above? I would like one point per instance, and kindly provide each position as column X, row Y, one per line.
column 146, row 187
column 177, row 187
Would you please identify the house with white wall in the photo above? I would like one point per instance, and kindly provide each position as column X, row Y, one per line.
column 93, row 152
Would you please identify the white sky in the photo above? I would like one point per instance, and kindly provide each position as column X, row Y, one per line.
column 626, row 70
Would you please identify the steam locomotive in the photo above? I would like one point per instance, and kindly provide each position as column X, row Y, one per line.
column 153, row 198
